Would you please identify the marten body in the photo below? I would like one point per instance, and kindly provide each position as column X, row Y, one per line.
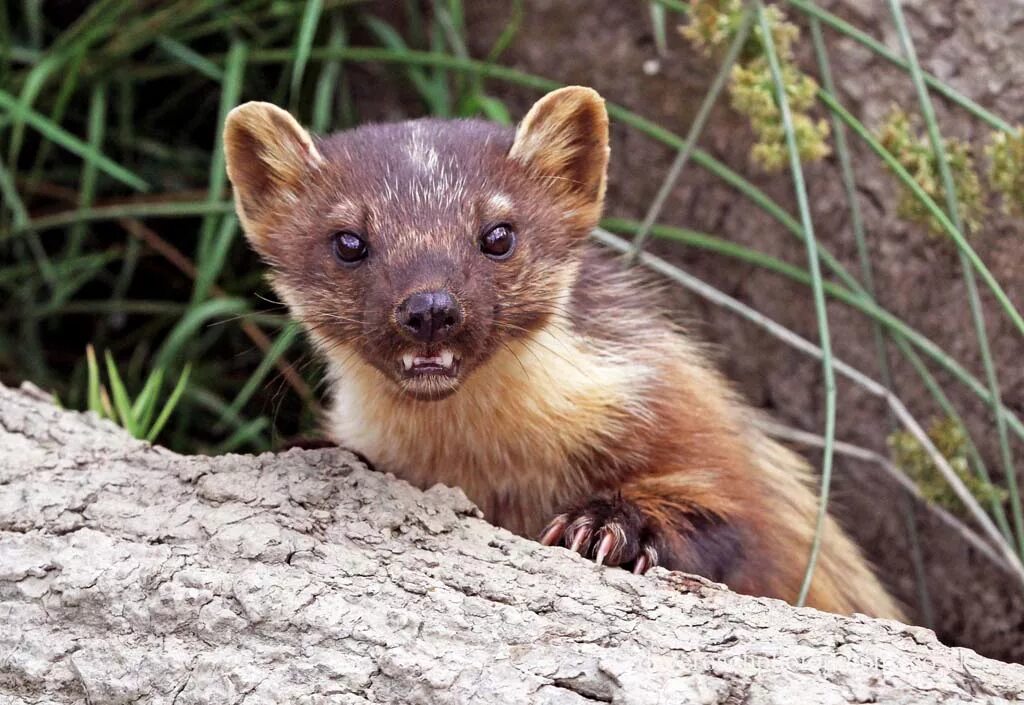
column 475, row 338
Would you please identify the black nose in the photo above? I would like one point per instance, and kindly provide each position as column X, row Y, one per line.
column 429, row 316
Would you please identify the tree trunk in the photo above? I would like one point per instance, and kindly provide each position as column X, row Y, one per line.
column 131, row 574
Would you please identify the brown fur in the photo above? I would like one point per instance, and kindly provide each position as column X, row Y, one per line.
column 576, row 400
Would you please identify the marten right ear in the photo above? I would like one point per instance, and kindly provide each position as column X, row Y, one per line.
column 268, row 156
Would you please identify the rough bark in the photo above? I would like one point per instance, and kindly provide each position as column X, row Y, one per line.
column 131, row 574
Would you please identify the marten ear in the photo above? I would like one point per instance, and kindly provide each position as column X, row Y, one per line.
column 564, row 138
column 268, row 156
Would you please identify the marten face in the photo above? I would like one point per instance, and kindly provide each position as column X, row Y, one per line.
column 422, row 247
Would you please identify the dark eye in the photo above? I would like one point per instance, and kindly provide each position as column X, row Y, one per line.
column 348, row 247
column 498, row 241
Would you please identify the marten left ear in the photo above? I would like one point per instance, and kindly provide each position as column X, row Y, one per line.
column 268, row 157
column 564, row 138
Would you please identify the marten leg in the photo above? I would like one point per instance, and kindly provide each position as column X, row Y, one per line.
column 640, row 527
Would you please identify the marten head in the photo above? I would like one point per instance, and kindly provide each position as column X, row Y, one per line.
column 422, row 246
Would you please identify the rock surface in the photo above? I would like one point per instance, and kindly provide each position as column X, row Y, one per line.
column 132, row 574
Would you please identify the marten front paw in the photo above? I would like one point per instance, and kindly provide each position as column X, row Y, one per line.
column 610, row 531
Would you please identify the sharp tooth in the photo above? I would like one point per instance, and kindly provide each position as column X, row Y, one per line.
column 407, row 360
column 447, row 358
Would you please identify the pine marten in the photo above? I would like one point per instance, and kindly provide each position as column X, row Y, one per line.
column 474, row 337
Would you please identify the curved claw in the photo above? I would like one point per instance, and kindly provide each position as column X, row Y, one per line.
column 647, row 559
column 605, row 547
column 553, row 533
column 580, row 540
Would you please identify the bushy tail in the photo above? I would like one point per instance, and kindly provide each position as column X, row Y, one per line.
column 843, row 579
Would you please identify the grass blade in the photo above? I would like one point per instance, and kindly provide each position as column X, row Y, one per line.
column 327, row 82
column 159, row 209
column 190, row 57
column 284, row 341
column 12, row 199
column 304, row 44
column 30, row 89
column 186, row 329
column 818, row 291
column 58, row 134
column 386, row 35
column 246, row 434
column 145, row 403
column 209, row 268
column 93, row 375
column 121, row 401
column 169, row 405
column 867, row 275
column 675, row 5
column 231, row 89
column 657, row 12
column 87, row 184
column 508, row 33
column 210, row 401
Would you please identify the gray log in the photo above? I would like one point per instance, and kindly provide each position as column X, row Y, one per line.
column 131, row 574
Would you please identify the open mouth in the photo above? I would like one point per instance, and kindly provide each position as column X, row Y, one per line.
column 442, row 363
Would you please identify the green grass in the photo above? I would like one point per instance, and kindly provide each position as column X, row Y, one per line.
column 117, row 230
column 146, row 415
column 817, row 291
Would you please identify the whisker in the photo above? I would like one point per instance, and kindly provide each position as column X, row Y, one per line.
column 513, row 354
column 260, row 296
column 538, row 342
